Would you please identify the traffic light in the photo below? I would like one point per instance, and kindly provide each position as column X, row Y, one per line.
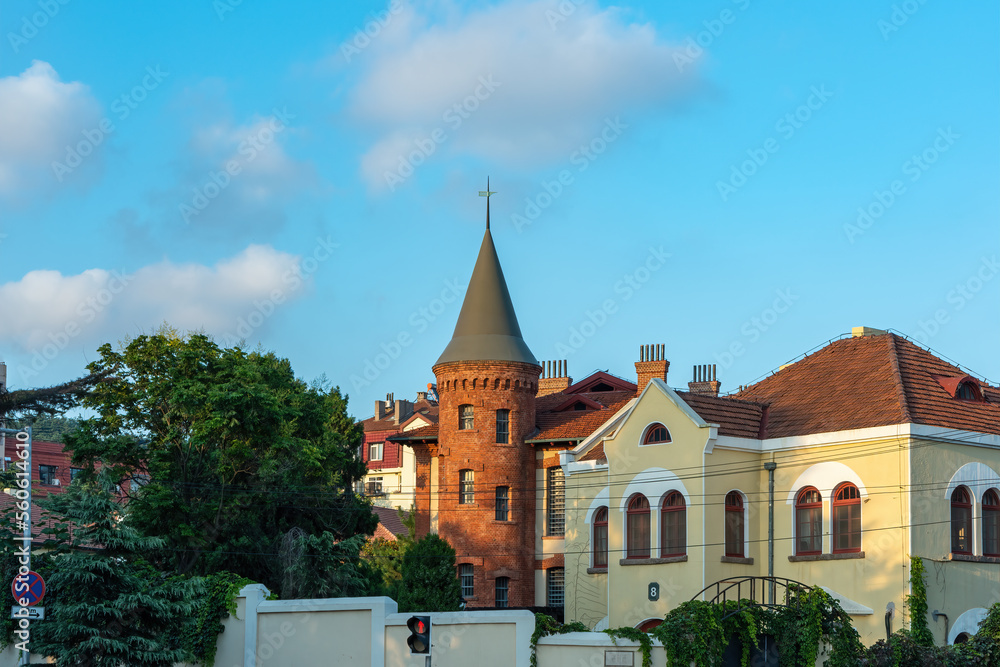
column 420, row 634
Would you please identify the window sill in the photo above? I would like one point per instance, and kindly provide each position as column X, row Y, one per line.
column 814, row 557
column 969, row 558
column 738, row 560
column 653, row 561
column 553, row 537
column 597, row 570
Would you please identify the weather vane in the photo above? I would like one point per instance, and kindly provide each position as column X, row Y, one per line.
column 486, row 193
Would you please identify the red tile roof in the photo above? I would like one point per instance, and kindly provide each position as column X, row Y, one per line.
column 737, row 418
column 554, row 425
column 868, row 381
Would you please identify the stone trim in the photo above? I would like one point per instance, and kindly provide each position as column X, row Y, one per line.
column 597, row 570
column 737, row 560
column 975, row 559
column 814, row 557
column 653, row 561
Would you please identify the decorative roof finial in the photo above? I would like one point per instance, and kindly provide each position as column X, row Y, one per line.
column 486, row 193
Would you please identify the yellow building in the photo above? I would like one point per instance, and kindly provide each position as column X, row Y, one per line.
column 880, row 450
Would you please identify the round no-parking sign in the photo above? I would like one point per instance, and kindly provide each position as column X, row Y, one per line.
column 28, row 589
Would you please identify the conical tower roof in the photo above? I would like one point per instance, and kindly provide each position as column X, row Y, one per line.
column 487, row 328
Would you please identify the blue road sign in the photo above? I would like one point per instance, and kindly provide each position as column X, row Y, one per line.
column 28, row 589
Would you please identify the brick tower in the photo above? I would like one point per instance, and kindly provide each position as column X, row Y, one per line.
column 479, row 480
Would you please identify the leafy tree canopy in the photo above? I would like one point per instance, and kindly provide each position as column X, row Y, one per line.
column 223, row 452
column 429, row 581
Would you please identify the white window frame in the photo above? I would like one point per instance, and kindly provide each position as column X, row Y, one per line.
column 377, row 447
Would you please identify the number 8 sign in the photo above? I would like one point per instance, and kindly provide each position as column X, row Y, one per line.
column 654, row 592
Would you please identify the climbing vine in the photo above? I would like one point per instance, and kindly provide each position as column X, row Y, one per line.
column 202, row 632
column 917, row 603
column 545, row 625
column 636, row 635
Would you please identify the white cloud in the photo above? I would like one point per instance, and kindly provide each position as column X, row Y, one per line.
column 102, row 305
column 546, row 82
column 238, row 176
column 40, row 119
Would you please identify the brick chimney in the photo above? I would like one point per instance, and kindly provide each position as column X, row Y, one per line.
column 704, row 381
column 652, row 364
column 554, row 377
column 382, row 407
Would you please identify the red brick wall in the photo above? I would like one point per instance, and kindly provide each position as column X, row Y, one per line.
column 495, row 548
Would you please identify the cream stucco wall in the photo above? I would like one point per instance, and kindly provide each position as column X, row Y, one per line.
column 904, row 478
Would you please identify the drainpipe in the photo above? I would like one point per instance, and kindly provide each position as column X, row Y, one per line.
column 937, row 613
column 769, row 466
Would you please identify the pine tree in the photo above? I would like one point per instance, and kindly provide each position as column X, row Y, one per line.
column 105, row 606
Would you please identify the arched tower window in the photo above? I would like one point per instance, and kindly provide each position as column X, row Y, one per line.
column 961, row 521
column 673, row 526
column 808, row 522
column 465, row 417
column 637, row 527
column 735, row 525
column 846, row 519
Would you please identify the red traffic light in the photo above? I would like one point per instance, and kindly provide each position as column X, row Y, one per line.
column 419, row 640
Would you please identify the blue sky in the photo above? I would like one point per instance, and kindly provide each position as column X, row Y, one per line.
column 740, row 181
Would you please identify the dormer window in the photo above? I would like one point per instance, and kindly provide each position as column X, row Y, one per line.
column 963, row 388
column 967, row 392
column 656, row 434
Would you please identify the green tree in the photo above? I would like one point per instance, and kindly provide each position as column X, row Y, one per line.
column 107, row 606
column 429, row 581
column 224, row 452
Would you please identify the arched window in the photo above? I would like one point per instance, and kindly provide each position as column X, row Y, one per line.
column 673, row 522
column 465, row 417
column 501, row 592
column 656, row 434
column 967, row 392
column 991, row 523
column 961, row 521
column 808, row 522
column 735, row 525
column 600, row 542
column 637, row 527
column 649, row 624
column 846, row 519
